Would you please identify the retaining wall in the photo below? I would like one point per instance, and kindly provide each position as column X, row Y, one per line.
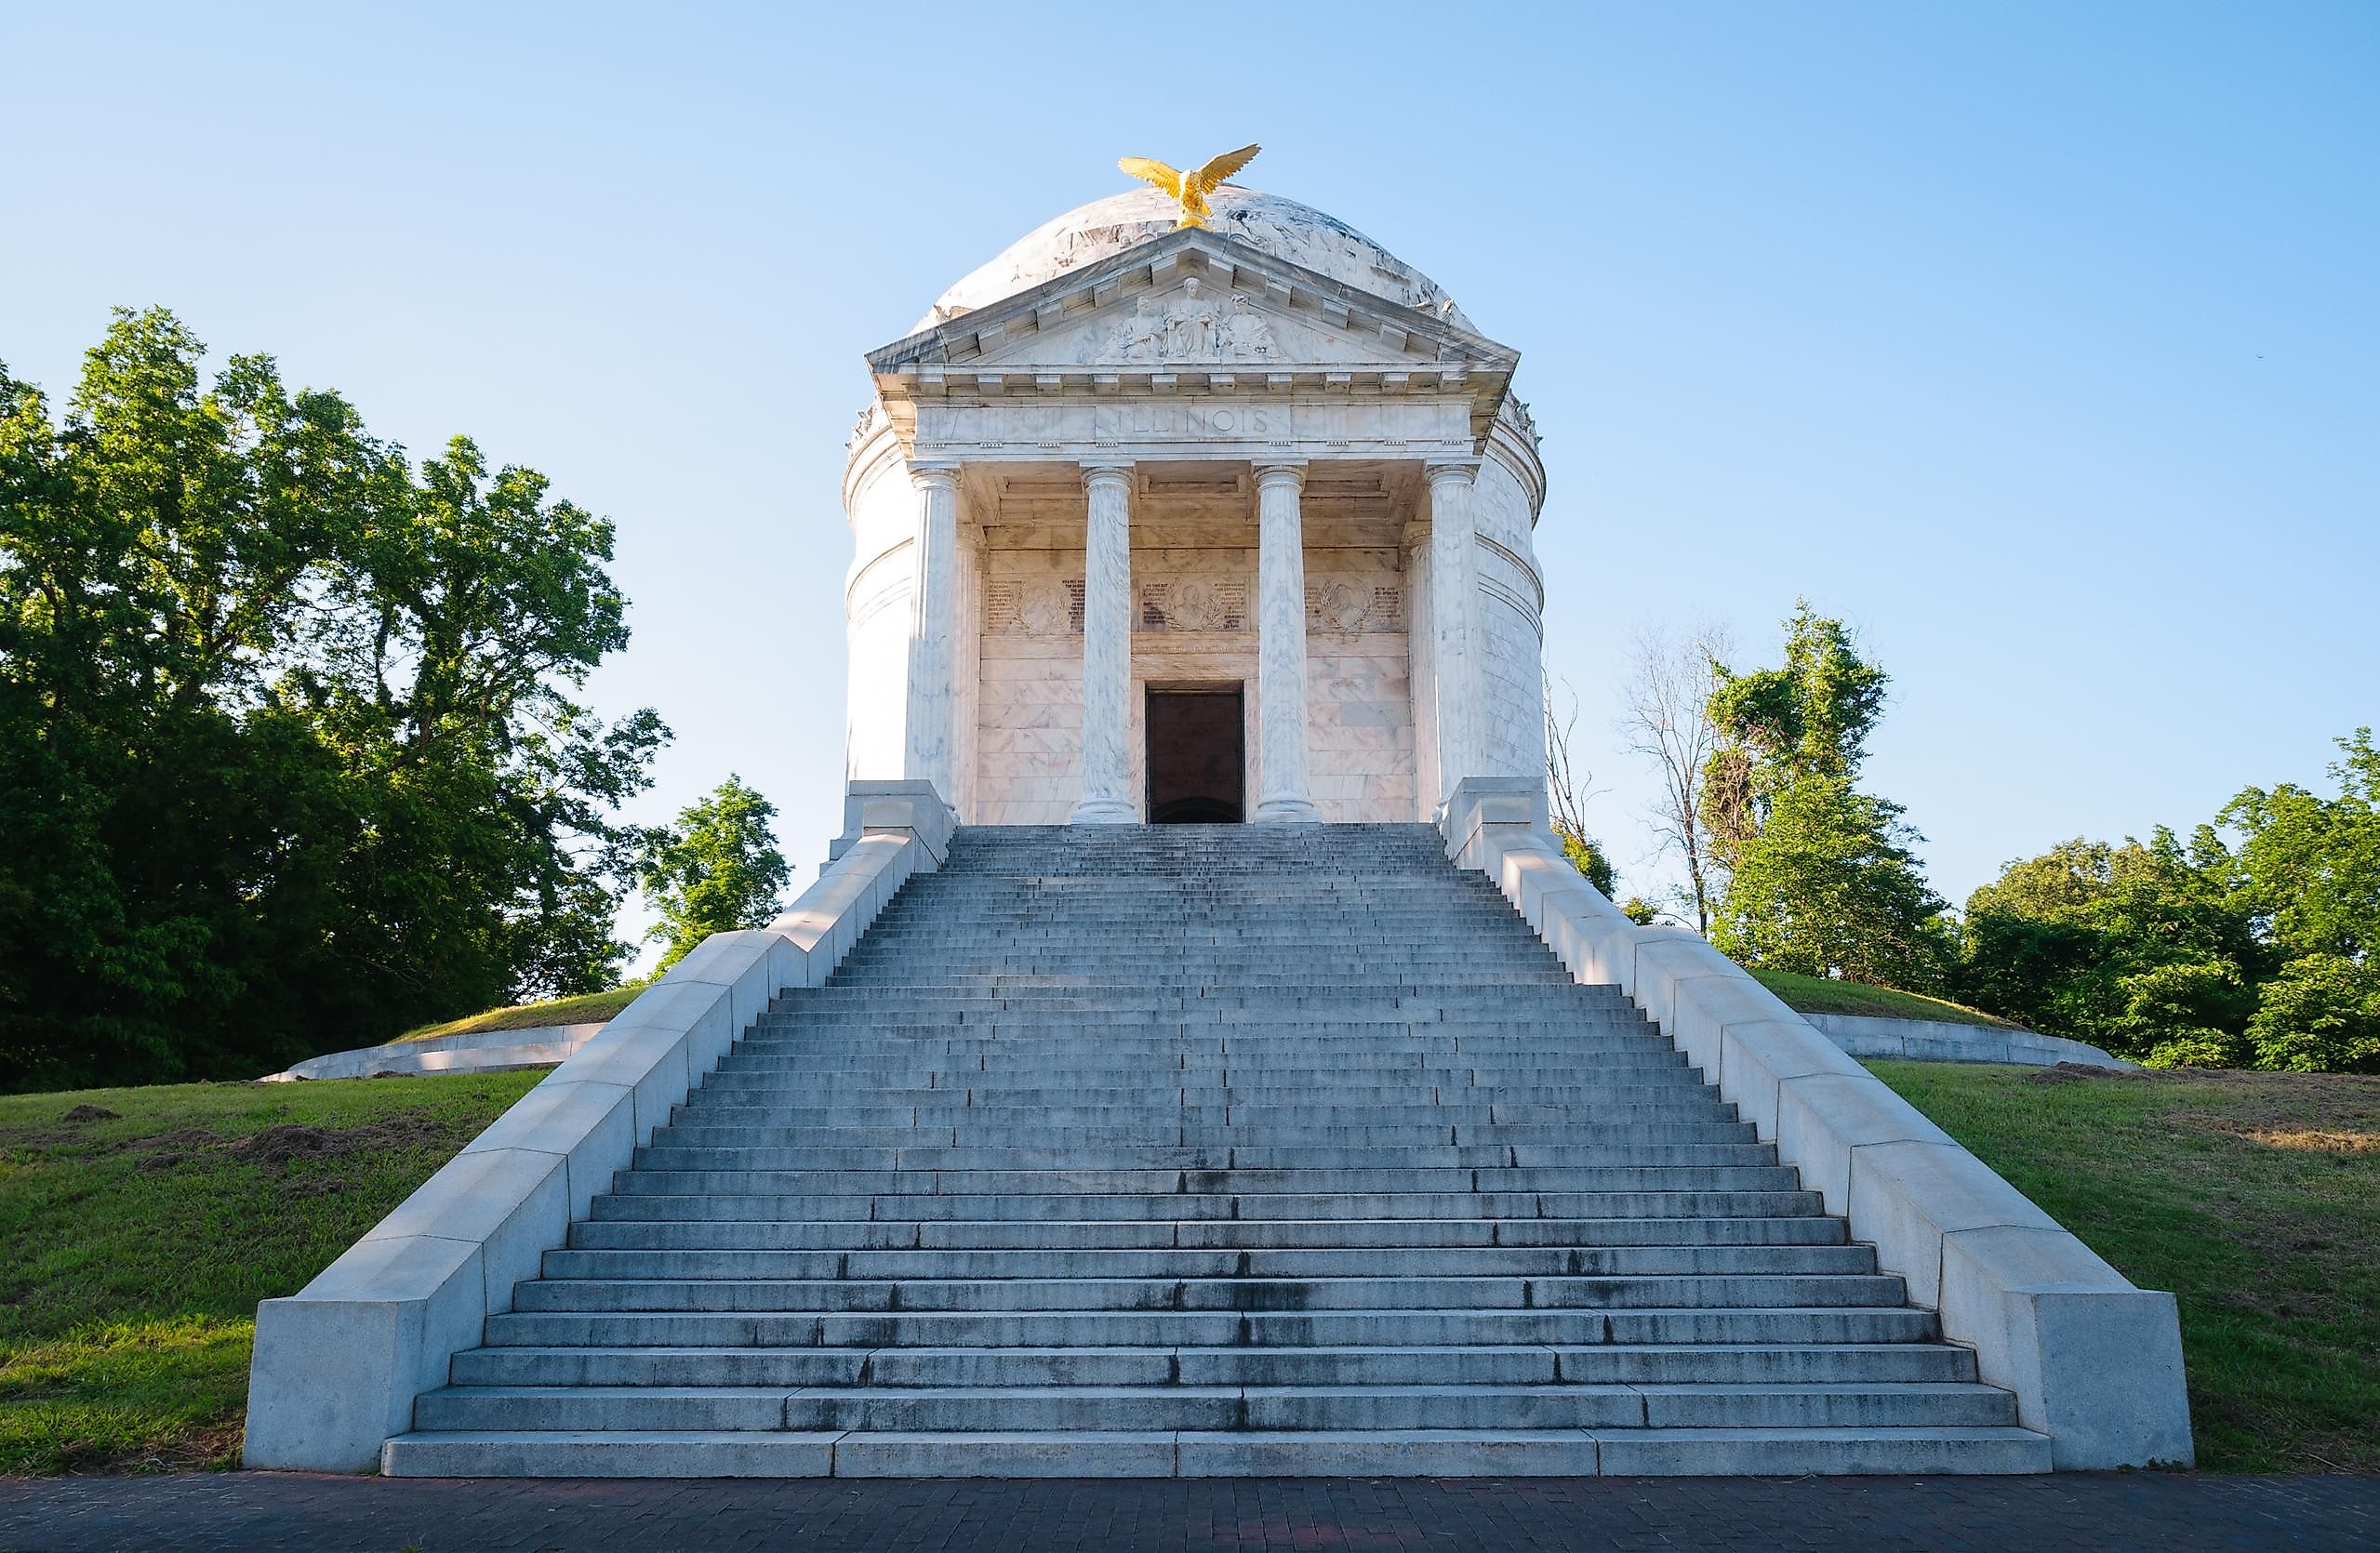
column 1864, row 1035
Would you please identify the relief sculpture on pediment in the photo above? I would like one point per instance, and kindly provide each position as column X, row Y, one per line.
column 1191, row 328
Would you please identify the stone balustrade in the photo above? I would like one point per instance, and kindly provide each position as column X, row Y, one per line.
column 2094, row 1362
column 337, row 1365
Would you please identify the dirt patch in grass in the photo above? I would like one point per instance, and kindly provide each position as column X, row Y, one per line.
column 2254, row 1197
column 2076, row 1072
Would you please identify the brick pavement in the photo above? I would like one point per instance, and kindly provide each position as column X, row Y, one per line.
column 257, row 1512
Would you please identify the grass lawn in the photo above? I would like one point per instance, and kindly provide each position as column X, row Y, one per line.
column 585, row 1009
column 1823, row 995
column 2254, row 1197
column 133, row 1247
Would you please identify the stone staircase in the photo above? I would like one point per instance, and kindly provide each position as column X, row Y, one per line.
column 1208, row 1150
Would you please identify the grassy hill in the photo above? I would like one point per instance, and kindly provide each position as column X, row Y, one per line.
column 138, row 1227
column 134, row 1244
column 1823, row 995
column 2254, row 1197
column 585, row 1009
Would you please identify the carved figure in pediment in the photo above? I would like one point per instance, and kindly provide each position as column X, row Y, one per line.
column 1191, row 326
column 1139, row 339
column 1246, row 336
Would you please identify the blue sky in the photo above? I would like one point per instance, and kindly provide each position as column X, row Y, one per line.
column 2041, row 341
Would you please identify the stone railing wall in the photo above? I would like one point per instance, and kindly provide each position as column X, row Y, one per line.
column 2094, row 1362
column 337, row 1364
column 1883, row 1039
column 479, row 1051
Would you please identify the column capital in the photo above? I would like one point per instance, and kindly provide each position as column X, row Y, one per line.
column 1275, row 471
column 1416, row 533
column 1098, row 471
column 1443, row 472
column 931, row 474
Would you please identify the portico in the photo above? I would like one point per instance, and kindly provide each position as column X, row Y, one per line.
column 1199, row 473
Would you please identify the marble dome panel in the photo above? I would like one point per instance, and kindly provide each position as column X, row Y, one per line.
column 1282, row 228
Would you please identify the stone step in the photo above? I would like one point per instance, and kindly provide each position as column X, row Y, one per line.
column 699, row 1131
column 1277, row 1088
column 1021, row 1151
column 1353, row 1364
column 1323, row 1328
column 1208, row 1183
column 1103, row 1069
column 1291, row 1262
column 1415, row 1452
column 1414, row 1292
column 1689, row 1106
column 949, row 1408
column 1411, row 1235
column 1185, row 1206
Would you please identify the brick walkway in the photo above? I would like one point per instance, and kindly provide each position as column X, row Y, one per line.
column 264, row 1511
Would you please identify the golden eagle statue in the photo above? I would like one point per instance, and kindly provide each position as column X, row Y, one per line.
column 1190, row 188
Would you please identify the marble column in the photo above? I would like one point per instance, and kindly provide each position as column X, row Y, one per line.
column 1281, row 647
column 932, row 662
column 1107, row 648
column 1421, row 669
column 1454, row 606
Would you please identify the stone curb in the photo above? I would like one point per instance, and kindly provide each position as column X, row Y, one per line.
column 478, row 1052
column 337, row 1365
column 1872, row 1036
column 2094, row 1362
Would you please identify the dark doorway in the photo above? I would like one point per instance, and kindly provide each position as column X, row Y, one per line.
column 1196, row 758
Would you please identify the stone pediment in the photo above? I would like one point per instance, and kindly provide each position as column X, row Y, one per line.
column 1194, row 324
column 1199, row 310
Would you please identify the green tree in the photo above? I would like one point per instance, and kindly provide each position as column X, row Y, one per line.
column 2311, row 866
column 2150, row 949
column 716, row 870
column 288, row 757
column 1818, row 877
column 2320, row 1015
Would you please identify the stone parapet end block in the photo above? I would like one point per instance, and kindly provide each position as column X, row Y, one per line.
column 1907, row 1196
column 828, row 918
column 1477, row 803
column 651, row 1061
column 590, row 1126
column 336, row 1366
column 1702, row 995
column 511, row 1202
column 1825, row 1115
column 908, row 808
column 2096, row 1363
column 1757, row 1056
column 741, row 964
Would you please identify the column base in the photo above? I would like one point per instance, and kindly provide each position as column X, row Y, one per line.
column 1287, row 811
column 1104, row 811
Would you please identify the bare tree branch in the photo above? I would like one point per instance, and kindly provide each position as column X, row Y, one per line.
column 1666, row 719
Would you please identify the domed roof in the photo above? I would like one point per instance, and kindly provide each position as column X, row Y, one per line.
column 1282, row 228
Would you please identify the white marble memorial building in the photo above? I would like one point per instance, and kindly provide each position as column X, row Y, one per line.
column 1203, row 524
column 1396, row 1149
